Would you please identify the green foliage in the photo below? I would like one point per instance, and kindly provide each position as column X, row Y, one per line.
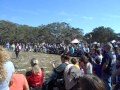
column 102, row 34
column 54, row 32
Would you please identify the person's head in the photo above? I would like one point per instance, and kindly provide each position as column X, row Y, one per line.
column 35, row 66
column 98, row 52
column 90, row 58
column 108, row 47
column 4, row 57
column 73, row 61
column 34, row 62
column 84, row 59
column 90, row 82
column 65, row 58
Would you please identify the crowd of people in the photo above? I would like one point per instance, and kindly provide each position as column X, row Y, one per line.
column 93, row 68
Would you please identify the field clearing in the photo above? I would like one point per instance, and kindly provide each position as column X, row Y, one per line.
column 22, row 64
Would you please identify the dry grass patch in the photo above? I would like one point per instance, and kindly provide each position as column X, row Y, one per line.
column 23, row 63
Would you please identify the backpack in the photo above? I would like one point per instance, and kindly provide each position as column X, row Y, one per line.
column 56, row 79
column 71, row 75
column 59, row 81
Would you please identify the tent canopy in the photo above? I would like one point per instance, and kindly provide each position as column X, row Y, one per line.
column 95, row 42
column 75, row 41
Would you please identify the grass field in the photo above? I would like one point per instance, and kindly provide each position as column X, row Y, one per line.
column 22, row 64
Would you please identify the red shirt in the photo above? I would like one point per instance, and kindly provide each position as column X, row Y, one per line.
column 35, row 80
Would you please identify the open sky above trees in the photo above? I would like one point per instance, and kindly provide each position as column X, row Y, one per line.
column 84, row 14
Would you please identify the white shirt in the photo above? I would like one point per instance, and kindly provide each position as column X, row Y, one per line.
column 10, row 69
column 89, row 68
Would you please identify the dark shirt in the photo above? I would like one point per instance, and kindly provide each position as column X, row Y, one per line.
column 107, row 59
column 98, row 70
column 60, row 70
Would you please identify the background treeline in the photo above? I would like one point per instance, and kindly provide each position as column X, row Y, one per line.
column 52, row 33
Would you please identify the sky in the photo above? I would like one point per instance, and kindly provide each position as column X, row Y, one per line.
column 83, row 14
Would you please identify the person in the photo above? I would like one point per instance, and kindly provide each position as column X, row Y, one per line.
column 56, row 79
column 71, row 74
column 19, row 82
column 106, row 66
column 98, row 56
column 72, row 51
column 17, row 50
column 89, row 82
column 97, row 67
column 116, row 75
column 74, row 61
column 85, row 65
column 6, row 69
column 35, row 77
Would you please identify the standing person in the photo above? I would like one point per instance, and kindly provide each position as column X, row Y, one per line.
column 13, row 47
column 72, row 51
column 99, row 55
column 18, row 82
column 107, row 65
column 86, row 65
column 116, row 74
column 97, row 67
column 74, row 61
column 35, row 76
column 17, row 50
column 6, row 69
column 8, row 45
column 71, row 76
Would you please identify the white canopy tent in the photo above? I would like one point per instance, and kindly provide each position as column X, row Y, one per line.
column 75, row 41
column 95, row 42
column 113, row 41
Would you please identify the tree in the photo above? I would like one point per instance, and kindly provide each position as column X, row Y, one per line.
column 118, row 36
column 102, row 34
column 51, row 33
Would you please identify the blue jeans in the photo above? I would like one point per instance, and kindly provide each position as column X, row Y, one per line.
column 107, row 80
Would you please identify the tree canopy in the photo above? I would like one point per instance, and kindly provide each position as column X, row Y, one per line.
column 51, row 33
column 101, row 34
column 56, row 32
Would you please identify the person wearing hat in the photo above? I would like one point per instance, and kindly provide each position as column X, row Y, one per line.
column 35, row 76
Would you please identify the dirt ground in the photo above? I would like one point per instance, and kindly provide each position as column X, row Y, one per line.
column 22, row 64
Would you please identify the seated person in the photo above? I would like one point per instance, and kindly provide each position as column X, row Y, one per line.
column 35, row 76
column 18, row 82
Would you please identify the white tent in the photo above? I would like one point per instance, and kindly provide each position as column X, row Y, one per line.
column 95, row 42
column 75, row 41
column 113, row 41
